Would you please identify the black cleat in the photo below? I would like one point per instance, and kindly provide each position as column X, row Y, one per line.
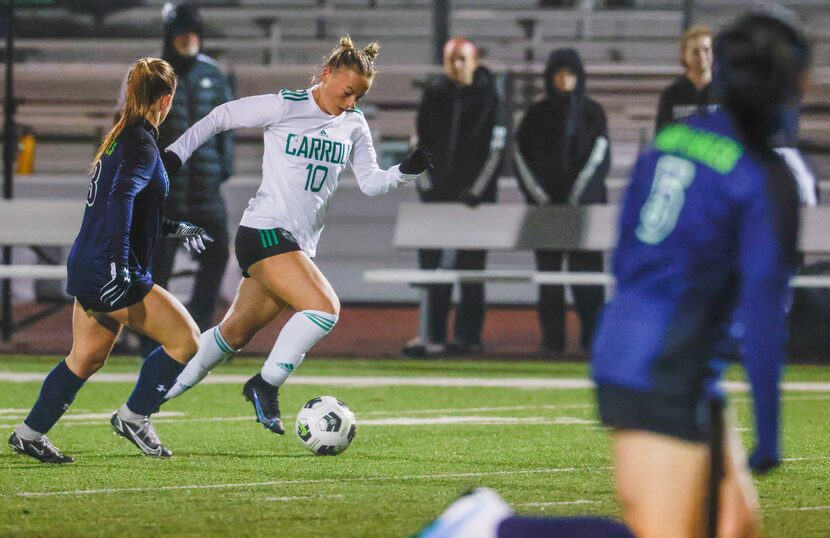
column 141, row 434
column 264, row 397
column 42, row 450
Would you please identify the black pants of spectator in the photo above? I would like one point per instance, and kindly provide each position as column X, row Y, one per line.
column 208, row 278
column 469, row 318
column 589, row 299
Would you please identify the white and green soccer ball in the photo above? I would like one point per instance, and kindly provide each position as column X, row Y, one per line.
column 326, row 426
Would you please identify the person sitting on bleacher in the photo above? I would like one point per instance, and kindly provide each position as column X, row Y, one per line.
column 460, row 122
column 563, row 157
column 690, row 93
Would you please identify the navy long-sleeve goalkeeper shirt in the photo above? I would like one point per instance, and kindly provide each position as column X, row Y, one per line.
column 707, row 226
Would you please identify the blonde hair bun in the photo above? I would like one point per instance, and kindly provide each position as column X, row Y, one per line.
column 346, row 56
column 372, row 50
column 346, row 43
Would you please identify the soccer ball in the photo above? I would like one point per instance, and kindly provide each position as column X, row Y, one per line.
column 326, row 426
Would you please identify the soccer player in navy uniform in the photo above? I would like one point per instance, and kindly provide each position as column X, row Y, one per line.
column 708, row 228
column 109, row 274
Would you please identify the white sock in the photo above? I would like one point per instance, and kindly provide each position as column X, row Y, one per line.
column 302, row 331
column 213, row 351
column 125, row 413
column 26, row 433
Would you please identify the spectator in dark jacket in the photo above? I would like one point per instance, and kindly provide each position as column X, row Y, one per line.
column 691, row 92
column 460, row 122
column 563, row 157
column 194, row 190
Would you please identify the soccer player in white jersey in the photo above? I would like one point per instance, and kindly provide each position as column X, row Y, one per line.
column 310, row 135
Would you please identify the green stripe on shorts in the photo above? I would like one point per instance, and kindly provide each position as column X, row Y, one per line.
column 266, row 242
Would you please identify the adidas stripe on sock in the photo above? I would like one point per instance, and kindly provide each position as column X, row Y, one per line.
column 302, row 331
column 213, row 351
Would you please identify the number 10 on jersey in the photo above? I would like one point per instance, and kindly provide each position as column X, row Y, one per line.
column 316, row 177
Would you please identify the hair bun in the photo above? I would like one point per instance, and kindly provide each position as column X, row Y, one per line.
column 346, row 43
column 371, row 50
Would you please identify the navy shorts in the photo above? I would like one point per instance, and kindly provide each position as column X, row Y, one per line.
column 90, row 300
column 684, row 417
column 253, row 245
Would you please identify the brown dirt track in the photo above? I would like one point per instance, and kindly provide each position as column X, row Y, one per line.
column 373, row 331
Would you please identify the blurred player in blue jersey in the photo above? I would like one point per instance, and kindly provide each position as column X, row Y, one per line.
column 708, row 227
column 109, row 274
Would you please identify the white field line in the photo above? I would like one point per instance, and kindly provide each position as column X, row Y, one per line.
column 555, row 503
column 13, row 411
column 392, row 421
column 301, row 498
column 480, row 409
column 806, row 508
column 745, row 399
column 473, row 420
column 349, row 381
column 85, row 419
column 441, row 476
column 378, row 381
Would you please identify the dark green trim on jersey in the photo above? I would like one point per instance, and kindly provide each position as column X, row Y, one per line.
column 355, row 109
column 294, row 95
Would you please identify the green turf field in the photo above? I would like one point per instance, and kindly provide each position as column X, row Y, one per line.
column 417, row 447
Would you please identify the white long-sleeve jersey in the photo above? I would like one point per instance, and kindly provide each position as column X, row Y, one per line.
column 306, row 149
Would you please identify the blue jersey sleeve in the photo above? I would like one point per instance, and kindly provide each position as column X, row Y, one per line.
column 763, row 292
column 140, row 157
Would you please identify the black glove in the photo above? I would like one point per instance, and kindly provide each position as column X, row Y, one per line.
column 469, row 199
column 117, row 288
column 192, row 237
column 171, row 161
column 416, row 162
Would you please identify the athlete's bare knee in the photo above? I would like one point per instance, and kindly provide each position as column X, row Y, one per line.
column 183, row 344
column 333, row 306
column 329, row 304
column 84, row 365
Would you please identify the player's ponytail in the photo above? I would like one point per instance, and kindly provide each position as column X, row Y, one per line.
column 148, row 80
column 346, row 56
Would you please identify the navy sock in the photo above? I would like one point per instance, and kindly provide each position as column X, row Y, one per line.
column 57, row 393
column 562, row 527
column 158, row 374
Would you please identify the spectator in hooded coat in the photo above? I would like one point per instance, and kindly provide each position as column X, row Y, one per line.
column 563, row 156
